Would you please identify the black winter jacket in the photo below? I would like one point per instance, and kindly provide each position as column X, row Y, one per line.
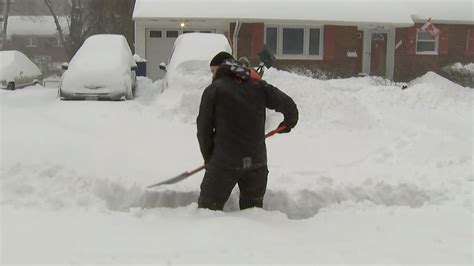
column 231, row 120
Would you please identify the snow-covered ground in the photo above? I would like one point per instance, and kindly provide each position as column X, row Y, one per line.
column 371, row 175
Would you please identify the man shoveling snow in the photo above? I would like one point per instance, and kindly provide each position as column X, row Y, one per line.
column 231, row 124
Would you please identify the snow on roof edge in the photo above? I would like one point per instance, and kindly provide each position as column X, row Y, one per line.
column 260, row 20
column 442, row 21
column 403, row 13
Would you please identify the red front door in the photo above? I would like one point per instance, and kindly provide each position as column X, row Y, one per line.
column 378, row 55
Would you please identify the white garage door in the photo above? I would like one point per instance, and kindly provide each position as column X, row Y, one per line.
column 159, row 43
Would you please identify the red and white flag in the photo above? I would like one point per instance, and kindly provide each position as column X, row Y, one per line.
column 430, row 28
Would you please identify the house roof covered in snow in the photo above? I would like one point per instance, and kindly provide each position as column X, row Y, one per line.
column 337, row 12
column 441, row 11
column 35, row 25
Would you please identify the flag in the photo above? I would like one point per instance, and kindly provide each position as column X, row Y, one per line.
column 430, row 28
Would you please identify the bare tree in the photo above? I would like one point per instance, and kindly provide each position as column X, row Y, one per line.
column 88, row 17
column 81, row 23
column 56, row 21
column 77, row 23
column 6, row 10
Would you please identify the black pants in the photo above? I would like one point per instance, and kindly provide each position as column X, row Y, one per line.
column 218, row 183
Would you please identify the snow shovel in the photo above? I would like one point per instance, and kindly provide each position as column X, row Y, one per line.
column 185, row 175
column 266, row 59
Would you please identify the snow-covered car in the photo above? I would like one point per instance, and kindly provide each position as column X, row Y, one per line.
column 189, row 60
column 102, row 69
column 17, row 71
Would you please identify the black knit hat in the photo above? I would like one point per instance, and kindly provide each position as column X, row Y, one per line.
column 220, row 58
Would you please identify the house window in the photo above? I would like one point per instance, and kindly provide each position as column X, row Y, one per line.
column 271, row 39
column 172, row 34
column 426, row 44
column 295, row 42
column 57, row 42
column 31, row 42
column 155, row 34
column 314, row 41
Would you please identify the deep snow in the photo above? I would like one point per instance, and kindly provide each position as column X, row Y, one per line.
column 371, row 174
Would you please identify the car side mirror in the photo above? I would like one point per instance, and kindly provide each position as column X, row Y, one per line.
column 134, row 68
column 65, row 66
column 163, row 66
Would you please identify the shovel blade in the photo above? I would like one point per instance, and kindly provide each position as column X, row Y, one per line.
column 171, row 180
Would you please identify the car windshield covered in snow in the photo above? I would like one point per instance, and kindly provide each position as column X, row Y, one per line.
column 189, row 62
column 102, row 67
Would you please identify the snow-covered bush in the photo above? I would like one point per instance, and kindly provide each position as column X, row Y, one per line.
column 312, row 73
column 459, row 73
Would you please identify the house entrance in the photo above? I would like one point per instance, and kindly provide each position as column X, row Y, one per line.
column 378, row 54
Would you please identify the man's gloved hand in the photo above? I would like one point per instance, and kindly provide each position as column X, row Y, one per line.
column 286, row 130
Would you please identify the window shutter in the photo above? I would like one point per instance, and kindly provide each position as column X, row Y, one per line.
column 329, row 43
column 443, row 41
column 470, row 41
column 410, row 42
column 257, row 39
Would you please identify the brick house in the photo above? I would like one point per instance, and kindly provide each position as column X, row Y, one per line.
column 339, row 37
column 31, row 30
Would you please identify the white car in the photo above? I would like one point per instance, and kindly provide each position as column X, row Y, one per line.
column 189, row 60
column 102, row 69
column 17, row 71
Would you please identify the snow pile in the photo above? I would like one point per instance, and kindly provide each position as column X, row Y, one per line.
column 151, row 93
column 138, row 59
column 436, row 92
column 371, row 174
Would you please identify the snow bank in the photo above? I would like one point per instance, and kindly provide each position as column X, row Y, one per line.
column 348, row 234
column 138, row 59
column 377, row 143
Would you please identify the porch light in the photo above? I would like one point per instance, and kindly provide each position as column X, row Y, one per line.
column 182, row 24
